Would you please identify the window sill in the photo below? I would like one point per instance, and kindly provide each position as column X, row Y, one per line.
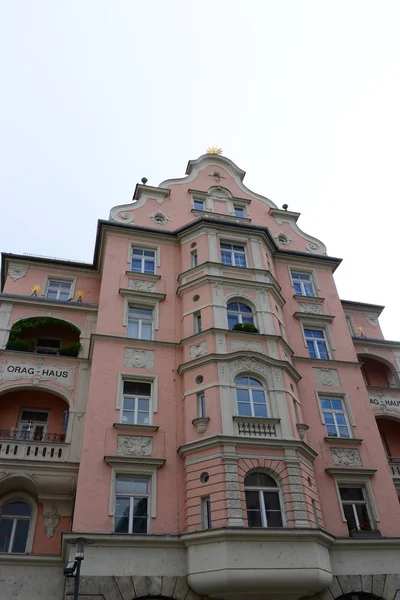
column 313, row 317
column 365, row 534
column 146, row 276
column 314, row 299
column 129, row 427
column 338, row 440
column 266, row 420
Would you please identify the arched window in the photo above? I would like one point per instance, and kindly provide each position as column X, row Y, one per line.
column 262, row 501
column 239, row 313
column 250, row 396
column 15, row 519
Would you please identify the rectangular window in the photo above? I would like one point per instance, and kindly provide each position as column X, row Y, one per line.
column 140, row 323
column 350, row 325
column 316, row 343
column 143, row 261
column 355, row 508
column 136, row 401
column 233, row 254
column 47, row 346
column 198, row 205
column 194, row 259
column 201, row 405
column 197, row 322
column 33, row 424
column 131, row 505
column 239, row 211
column 303, row 284
column 206, row 512
column 59, row 290
column 335, row 418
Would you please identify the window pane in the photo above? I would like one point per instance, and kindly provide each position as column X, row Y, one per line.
column 136, row 265
column 255, row 383
column 240, row 260
column 363, row 515
column 139, row 525
column 252, row 499
column 147, row 331
column 311, row 349
column 137, row 388
column 340, row 420
column 343, row 431
column 137, row 251
column 140, row 507
column 129, row 404
column 258, row 396
column 254, row 518
column 244, row 410
column 226, row 258
column 242, row 381
column 260, row 410
column 351, row 493
column 274, row 518
column 17, row 509
column 242, row 395
column 143, row 405
column 329, row 420
column 128, row 417
column 121, row 524
column 263, row 480
column 131, row 485
column 271, row 501
column 325, row 403
column 247, row 319
column 308, row 289
column 331, row 430
column 349, row 515
column 132, row 329
column 297, row 289
column 323, row 352
column 336, row 404
column 6, row 526
column 149, row 266
column 21, row 535
column 232, row 320
column 140, row 313
column 149, row 253
column 143, row 418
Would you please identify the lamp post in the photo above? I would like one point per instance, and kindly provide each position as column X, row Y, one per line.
column 80, row 543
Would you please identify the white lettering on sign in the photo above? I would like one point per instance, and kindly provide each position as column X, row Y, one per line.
column 385, row 403
column 37, row 372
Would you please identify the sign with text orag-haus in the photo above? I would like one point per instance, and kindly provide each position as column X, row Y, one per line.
column 36, row 372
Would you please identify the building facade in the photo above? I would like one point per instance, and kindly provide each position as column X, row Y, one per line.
column 201, row 405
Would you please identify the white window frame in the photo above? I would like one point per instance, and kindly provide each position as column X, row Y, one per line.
column 201, row 408
column 326, row 339
column 242, row 387
column 57, row 278
column 34, row 423
column 140, row 322
column 233, row 243
column 136, row 398
column 206, row 200
column 151, row 379
column 205, row 504
column 353, row 503
column 328, row 396
column 142, row 301
column 313, row 275
column 345, row 401
column 238, row 205
column 308, row 274
column 135, row 468
column 197, row 320
column 351, row 325
column 194, row 259
column 260, row 490
column 240, row 318
column 140, row 246
column 131, row 498
column 23, row 497
column 356, row 478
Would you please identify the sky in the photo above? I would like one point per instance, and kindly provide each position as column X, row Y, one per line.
column 302, row 95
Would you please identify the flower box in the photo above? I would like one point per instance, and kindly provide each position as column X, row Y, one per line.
column 375, row 533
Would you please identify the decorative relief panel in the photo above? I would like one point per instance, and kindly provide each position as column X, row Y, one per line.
column 249, row 363
column 135, row 445
column 272, row 349
column 217, row 287
column 308, row 307
column 5, row 313
column 243, row 345
column 346, row 457
column 385, row 403
column 372, row 319
column 17, row 271
column 140, row 285
column 139, row 359
column 37, row 371
column 198, row 350
column 51, row 519
column 327, row 377
column 124, row 217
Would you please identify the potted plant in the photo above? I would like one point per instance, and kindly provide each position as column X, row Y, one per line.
column 21, row 345
column 71, row 349
column 248, row 327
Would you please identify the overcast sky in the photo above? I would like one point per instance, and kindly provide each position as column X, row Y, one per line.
column 304, row 96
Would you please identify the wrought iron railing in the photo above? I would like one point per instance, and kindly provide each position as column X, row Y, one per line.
column 31, row 436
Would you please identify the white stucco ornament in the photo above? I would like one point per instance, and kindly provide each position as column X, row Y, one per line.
column 328, row 377
column 198, row 350
column 17, row 271
column 37, row 372
column 346, row 457
column 139, row 285
column 135, row 445
column 51, row 520
column 140, row 359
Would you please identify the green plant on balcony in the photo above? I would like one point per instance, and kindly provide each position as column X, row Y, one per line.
column 71, row 349
column 247, row 327
column 21, row 345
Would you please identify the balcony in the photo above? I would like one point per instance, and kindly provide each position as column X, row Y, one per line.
column 45, row 335
column 257, row 427
column 11, row 448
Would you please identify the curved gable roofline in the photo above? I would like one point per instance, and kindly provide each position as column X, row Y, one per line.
column 218, row 161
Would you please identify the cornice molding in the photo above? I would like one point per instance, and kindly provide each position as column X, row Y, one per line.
column 44, row 303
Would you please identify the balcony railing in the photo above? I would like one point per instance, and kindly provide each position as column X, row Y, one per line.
column 19, row 434
column 253, row 427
